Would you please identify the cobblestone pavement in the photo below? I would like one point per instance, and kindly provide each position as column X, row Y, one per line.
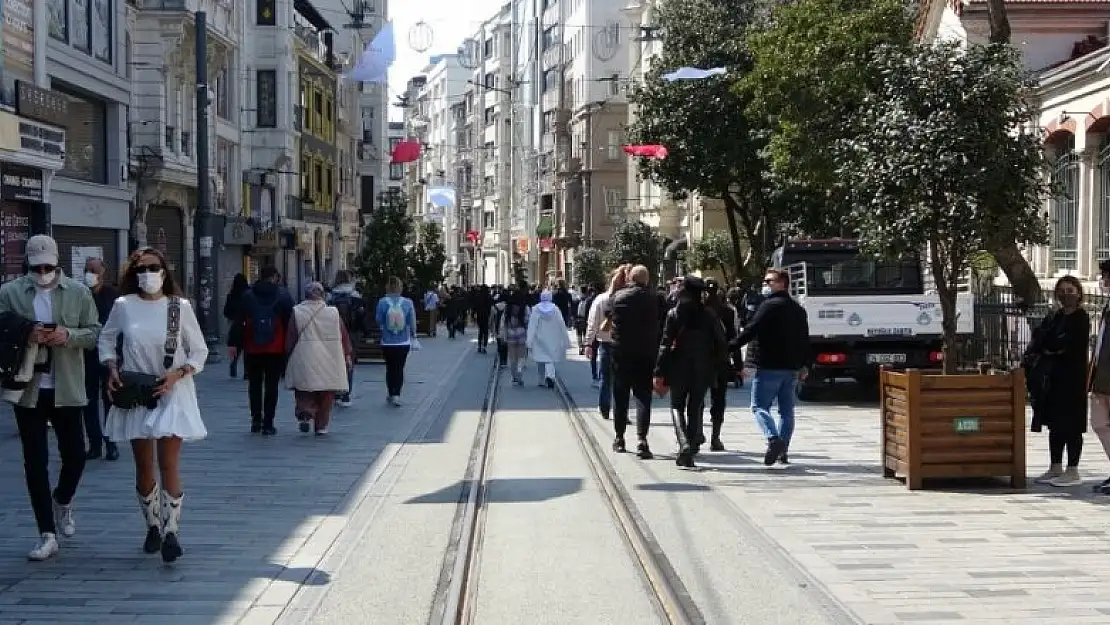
column 963, row 553
column 259, row 513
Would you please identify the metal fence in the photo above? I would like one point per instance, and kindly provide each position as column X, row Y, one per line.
column 1003, row 328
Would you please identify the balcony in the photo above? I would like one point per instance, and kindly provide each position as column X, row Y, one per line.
column 293, row 208
column 554, row 56
column 316, row 214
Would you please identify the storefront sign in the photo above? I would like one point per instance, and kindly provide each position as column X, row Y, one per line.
column 15, row 229
column 41, row 139
column 41, row 104
column 238, row 233
column 18, row 43
column 20, row 183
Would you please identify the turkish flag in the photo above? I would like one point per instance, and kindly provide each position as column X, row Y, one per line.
column 406, row 151
column 647, row 151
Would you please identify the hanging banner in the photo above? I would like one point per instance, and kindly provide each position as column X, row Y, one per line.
column 18, row 45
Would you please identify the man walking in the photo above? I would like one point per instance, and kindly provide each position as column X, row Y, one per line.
column 96, row 374
column 260, row 333
column 777, row 336
column 66, row 325
column 635, row 343
column 1098, row 381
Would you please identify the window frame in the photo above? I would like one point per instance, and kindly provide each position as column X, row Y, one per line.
column 271, row 120
column 64, row 38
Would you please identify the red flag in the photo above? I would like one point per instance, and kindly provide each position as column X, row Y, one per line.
column 406, row 151
column 648, row 151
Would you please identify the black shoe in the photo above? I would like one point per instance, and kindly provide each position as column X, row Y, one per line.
column 269, row 430
column 256, row 426
column 716, row 445
column 93, row 454
column 153, row 541
column 304, row 426
column 618, row 445
column 112, row 452
column 1102, row 487
column 550, row 382
column 643, row 451
column 171, row 549
column 685, row 458
column 775, row 448
column 604, row 414
column 783, row 459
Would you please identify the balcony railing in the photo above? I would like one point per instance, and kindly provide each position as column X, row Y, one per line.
column 293, row 208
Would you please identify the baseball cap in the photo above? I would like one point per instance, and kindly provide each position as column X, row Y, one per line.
column 41, row 250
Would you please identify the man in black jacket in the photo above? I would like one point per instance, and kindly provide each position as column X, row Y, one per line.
column 635, row 317
column 778, row 350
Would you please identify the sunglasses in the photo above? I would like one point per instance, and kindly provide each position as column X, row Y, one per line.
column 43, row 269
column 151, row 268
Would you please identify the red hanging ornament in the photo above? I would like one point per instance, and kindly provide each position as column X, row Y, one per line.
column 657, row 152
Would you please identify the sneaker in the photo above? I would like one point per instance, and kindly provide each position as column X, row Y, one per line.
column 643, row 451
column 344, row 403
column 595, row 384
column 1069, row 477
column 269, row 430
column 304, row 426
column 397, row 401
column 63, row 518
column 321, row 431
column 775, row 448
column 618, row 445
column 1052, row 473
column 1103, row 487
column 45, row 548
column 783, row 459
column 391, row 401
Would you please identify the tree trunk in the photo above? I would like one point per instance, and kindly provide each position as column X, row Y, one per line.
column 947, row 296
column 999, row 21
column 1027, row 289
column 734, row 233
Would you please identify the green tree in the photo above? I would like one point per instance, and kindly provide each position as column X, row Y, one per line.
column 959, row 118
column 427, row 256
column 637, row 243
column 715, row 148
column 712, row 252
column 589, row 267
column 811, row 70
column 389, row 232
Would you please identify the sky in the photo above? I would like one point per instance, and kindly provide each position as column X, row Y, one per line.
column 451, row 21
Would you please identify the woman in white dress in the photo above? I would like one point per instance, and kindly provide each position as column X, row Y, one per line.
column 150, row 308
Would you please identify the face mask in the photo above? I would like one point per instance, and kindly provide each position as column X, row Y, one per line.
column 44, row 279
column 766, row 290
column 1068, row 299
column 150, row 283
column 91, row 279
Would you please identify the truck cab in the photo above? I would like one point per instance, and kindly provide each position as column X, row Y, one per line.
column 865, row 312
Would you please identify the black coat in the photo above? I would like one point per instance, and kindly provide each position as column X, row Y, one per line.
column 1056, row 370
column 693, row 352
column 778, row 335
column 635, row 324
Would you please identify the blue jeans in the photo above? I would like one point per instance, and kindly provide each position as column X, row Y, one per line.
column 770, row 385
column 605, row 375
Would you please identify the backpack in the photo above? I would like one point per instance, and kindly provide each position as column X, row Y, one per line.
column 15, row 332
column 263, row 321
column 395, row 320
column 347, row 306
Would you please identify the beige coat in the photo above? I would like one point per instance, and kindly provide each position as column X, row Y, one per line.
column 317, row 361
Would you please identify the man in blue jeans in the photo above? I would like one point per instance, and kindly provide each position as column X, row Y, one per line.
column 777, row 337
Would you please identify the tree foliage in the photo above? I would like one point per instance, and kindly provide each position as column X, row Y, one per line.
column 427, row 256
column 636, row 243
column 382, row 255
column 712, row 252
column 714, row 147
column 946, row 164
column 589, row 267
column 811, row 69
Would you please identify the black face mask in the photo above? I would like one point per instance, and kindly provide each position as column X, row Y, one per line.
column 1068, row 299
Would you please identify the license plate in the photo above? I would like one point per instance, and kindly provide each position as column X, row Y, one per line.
column 889, row 331
column 885, row 359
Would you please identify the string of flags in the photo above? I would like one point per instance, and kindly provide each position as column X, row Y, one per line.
column 657, row 152
column 374, row 63
column 693, row 73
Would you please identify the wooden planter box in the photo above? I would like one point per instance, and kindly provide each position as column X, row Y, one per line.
column 952, row 426
column 368, row 347
column 423, row 323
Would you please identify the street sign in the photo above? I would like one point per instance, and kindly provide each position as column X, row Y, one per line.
column 965, row 425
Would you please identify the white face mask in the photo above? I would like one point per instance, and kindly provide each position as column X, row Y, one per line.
column 150, row 283
column 44, row 279
column 766, row 290
column 91, row 279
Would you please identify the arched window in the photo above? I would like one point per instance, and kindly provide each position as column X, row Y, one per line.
column 1102, row 217
column 1065, row 206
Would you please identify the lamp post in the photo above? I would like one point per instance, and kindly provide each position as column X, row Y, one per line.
column 205, row 228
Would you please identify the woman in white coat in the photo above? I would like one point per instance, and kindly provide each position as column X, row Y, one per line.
column 548, row 340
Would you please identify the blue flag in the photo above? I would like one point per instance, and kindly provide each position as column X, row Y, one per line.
column 376, row 59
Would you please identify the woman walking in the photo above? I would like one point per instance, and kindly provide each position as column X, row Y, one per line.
column 319, row 359
column 233, row 311
column 163, row 348
column 514, row 334
column 692, row 355
column 396, row 317
column 547, row 340
column 719, row 392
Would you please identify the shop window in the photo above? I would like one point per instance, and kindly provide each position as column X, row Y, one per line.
column 57, row 15
column 86, row 138
column 102, row 23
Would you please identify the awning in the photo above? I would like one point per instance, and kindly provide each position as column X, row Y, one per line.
column 678, row 245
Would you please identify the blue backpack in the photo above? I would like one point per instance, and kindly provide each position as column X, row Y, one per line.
column 263, row 321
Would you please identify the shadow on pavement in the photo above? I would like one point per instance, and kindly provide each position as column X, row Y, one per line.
column 507, row 490
column 674, row 487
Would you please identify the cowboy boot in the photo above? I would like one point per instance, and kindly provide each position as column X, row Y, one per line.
column 171, row 517
column 151, row 507
column 715, row 443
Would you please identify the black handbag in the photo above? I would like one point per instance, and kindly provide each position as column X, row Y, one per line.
column 137, row 389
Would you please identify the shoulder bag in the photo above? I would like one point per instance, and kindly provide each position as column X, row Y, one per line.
column 137, row 389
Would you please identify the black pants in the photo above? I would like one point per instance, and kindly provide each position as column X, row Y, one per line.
column 502, row 353
column 96, row 391
column 632, row 376
column 687, row 406
column 395, row 357
column 1058, row 442
column 36, row 455
column 717, row 396
column 263, row 373
column 233, row 366
column 483, row 331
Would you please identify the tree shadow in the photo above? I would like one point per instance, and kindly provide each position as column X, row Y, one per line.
column 506, row 490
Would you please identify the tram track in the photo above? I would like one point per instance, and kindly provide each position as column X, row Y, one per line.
column 455, row 601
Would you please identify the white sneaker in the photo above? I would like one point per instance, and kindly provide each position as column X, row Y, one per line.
column 321, row 431
column 45, row 548
column 1070, row 477
column 344, row 403
column 1052, row 473
column 63, row 518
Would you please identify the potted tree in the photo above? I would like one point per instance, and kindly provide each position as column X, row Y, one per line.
column 387, row 234
column 947, row 160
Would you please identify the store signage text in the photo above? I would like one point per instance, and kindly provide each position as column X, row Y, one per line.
column 42, row 139
column 20, row 183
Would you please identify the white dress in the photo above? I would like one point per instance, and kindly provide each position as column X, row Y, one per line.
column 143, row 325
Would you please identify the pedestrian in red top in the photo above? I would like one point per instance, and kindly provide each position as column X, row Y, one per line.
column 259, row 332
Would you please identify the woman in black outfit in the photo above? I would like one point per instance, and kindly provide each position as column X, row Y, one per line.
column 1056, row 365
column 692, row 356
column 232, row 311
column 482, row 305
column 727, row 316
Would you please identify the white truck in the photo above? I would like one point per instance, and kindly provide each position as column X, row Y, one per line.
column 865, row 313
